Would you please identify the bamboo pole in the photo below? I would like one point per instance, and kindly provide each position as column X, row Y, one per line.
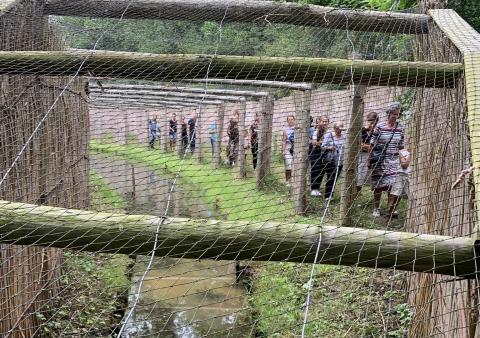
column 218, row 145
column 300, row 154
column 266, row 12
column 177, row 89
column 352, row 151
column 264, row 157
column 241, row 139
column 177, row 67
column 82, row 230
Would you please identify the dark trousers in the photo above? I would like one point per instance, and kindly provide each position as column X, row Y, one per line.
column 192, row 142
column 317, row 168
column 333, row 174
column 255, row 154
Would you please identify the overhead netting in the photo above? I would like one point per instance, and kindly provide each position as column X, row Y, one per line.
column 236, row 169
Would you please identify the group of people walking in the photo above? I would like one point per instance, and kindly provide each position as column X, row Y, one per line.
column 383, row 163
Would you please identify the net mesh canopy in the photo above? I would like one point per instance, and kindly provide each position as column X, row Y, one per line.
column 205, row 168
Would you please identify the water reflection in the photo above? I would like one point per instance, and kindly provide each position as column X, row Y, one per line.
column 180, row 297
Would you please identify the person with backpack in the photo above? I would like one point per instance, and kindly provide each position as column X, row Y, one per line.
column 386, row 142
column 288, row 140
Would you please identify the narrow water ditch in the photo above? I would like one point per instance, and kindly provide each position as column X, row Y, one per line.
column 180, row 297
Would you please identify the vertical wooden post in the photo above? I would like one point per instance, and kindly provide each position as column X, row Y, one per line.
column 300, row 154
column 264, row 157
column 165, row 132
column 241, row 138
column 198, row 134
column 125, row 124
column 352, row 150
column 218, row 146
column 179, row 146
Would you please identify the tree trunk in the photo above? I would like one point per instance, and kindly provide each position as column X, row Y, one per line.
column 53, row 170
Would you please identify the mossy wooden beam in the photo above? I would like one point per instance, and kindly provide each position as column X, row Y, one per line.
column 258, row 12
column 177, row 67
column 467, row 40
column 28, row 224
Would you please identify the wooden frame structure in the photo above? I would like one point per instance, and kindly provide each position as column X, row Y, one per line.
column 29, row 224
column 265, row 12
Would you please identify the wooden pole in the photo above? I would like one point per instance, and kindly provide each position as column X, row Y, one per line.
column 28, row 224
column 175, row 89
column 218, row 145
column 352, row 151
column 254, row 83
column 160, row 94
column 198, row 134
column 266, row 12
column 300, row 154
column 241, row 139
column 264, row 157
column 169, row 67
column 166, row 130
column 179, row 146
column 143, row 100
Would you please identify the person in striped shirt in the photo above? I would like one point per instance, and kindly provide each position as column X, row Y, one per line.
column 388, row 136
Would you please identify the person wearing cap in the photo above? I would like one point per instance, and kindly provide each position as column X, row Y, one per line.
column 389, row 138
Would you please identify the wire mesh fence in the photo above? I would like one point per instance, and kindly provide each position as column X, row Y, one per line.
column 236, row 169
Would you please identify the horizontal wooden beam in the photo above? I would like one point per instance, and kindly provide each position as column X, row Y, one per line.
column 177, row 67
column 27, row 224
column 115, row 102
column 177, row 89
column 153, row 101
column 172, row 94
column 254, row 83
column 258, row 12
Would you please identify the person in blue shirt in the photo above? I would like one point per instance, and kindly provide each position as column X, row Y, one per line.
column 212, row 130
column 152, row 127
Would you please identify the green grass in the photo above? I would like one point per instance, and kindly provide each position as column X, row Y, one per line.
column 103, row 197
column 350, row 302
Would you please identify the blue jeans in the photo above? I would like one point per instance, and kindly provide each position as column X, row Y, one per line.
column 153, row 135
